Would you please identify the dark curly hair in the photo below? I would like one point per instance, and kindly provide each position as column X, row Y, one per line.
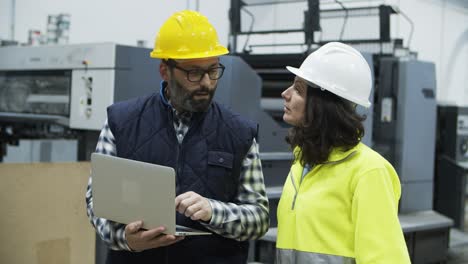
column 330, row 122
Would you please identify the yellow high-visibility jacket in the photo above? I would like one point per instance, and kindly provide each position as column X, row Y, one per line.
column 343, row 211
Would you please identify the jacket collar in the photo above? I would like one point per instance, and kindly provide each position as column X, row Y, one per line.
column 337, row 155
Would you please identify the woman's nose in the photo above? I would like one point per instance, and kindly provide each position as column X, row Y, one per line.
column 284, row 94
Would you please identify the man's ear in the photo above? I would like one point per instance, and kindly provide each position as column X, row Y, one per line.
column 164, row 71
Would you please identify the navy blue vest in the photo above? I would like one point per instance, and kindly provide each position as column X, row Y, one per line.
column 207, row 162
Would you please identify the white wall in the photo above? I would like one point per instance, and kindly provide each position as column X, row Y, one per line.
column 440, row 33
column 441, row 36
column 120, row 21
column 453, row 66
column 5, row 11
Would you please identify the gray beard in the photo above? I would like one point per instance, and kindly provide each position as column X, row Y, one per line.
column 181, row 98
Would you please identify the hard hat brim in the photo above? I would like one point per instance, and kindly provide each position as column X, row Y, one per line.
column 309, row 77
column 199, row 55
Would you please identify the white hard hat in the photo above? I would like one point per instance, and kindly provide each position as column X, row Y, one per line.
column 340, row 69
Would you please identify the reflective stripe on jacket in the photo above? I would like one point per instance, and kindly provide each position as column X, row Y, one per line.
column 342, row 211
column 290, row 256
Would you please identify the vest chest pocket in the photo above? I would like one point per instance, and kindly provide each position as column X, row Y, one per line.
column 220, row 179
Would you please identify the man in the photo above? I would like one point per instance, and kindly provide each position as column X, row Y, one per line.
column 213, row 151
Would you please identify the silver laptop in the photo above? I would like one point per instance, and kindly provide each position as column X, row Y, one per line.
column 125, row 191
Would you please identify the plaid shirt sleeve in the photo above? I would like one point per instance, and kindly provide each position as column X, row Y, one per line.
column 112, row 233
column 248, row 216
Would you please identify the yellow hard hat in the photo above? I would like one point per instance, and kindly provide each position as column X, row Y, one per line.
column 187, row 35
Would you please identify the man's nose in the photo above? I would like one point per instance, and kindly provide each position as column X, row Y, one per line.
column 205, row 81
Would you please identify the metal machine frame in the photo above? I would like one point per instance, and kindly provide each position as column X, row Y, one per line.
column 311, row 22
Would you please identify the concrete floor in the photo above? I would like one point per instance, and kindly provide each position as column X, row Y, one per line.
column 458, row 255
column 458, row 252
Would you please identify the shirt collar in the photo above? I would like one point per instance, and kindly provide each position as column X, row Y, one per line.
column 183, row 118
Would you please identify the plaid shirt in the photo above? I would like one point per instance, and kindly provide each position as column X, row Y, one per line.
column 244, row 218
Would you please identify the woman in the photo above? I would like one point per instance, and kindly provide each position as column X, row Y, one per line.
column 340, row 200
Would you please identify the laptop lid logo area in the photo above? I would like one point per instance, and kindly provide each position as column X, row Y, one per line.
column 131, row 193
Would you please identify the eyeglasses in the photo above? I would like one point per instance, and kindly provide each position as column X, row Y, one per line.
column 196, row 75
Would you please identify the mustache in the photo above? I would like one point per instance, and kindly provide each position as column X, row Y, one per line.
column 202, row 90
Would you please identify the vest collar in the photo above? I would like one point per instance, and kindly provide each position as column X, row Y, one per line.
column 163, row 86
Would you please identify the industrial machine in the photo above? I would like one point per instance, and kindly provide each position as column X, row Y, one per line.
column 61, row 93
column 404, row 126
column 451, row 177
column 452, row 130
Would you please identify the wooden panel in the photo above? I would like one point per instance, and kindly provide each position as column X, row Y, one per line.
column 43, row 214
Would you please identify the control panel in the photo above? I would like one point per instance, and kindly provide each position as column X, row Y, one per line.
column 452, row 129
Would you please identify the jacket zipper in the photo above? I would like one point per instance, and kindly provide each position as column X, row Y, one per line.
column 295, row 190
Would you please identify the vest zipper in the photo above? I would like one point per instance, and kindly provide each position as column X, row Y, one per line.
column 194, row 124
column 178, row 162
column 179, row 154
